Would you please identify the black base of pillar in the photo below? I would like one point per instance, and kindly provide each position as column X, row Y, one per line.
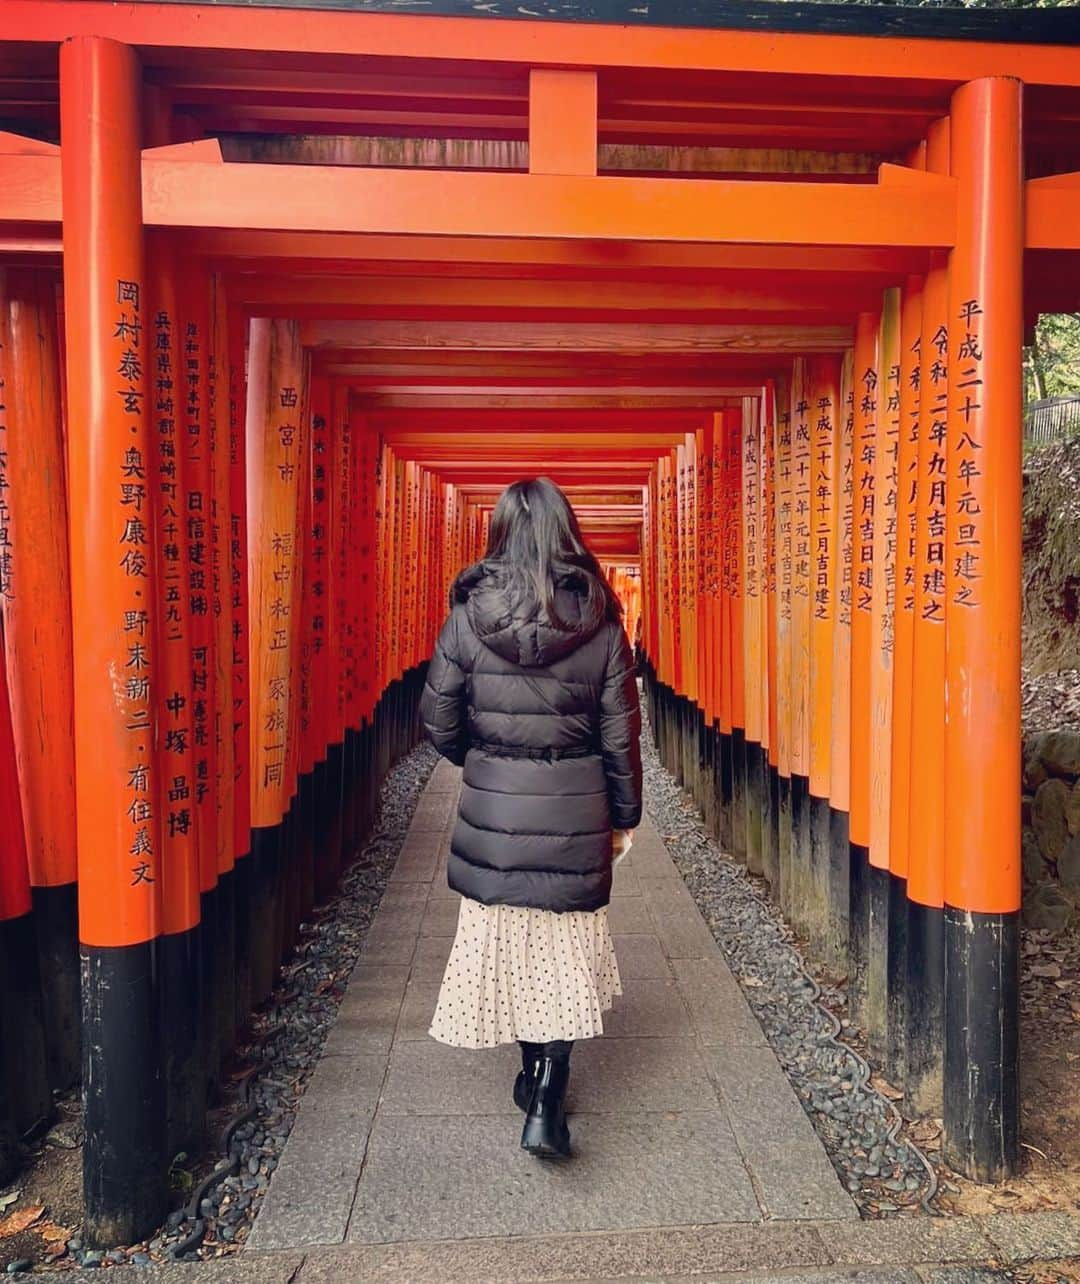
column 785, row 843
column 183, row 1071
column 307, row 792
column 738, row 793
column 859, row 933
column 799, row 913
column 838, row 899
column 211, row 1036
column 924, row 1043
column 265, row 858
column 725, row 766
column 124, row 1162
column 755, row 806
column 896, row 982
column 328, row 856
column 22, row 1016
column 981, row 1043
column 877, row 968
column 770, row 833
column 242, row 895
column 817, row 905
column 225, row 963
column 56, row 924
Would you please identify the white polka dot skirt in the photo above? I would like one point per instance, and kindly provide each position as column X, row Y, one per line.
column 520, row 973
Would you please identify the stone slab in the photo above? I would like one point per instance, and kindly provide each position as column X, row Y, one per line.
column 429, row 962
column 416, row 862
column 640, row 957
column 648, row 1169
column 677, row 921
column 311, row 1195
column 608, row 1076
column 624, row 880
column 718, row 1008
column 369, row 1012
column 440, row 917
column 907, row 1242
column 629, row 914
column 402, row 895
column 794, row 1176
column 280, row 1268
column 1023, row 1237
column 391, row 938
column 612, row 1254
column 417, row 1010
column 430, row 1078
column 432, row 813
column 650, row 1009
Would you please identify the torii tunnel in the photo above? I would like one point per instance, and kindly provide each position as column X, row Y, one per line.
column 287, row 294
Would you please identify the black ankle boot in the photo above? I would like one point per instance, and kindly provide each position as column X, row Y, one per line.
column 523, row 1084
column 545, row 1133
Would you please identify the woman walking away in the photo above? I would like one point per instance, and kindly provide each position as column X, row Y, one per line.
column 531, row 688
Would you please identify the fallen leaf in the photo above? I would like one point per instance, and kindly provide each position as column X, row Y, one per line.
column 753, row 981
column 7, row 1200
column 886, row 1089
column 18, row 1221
column 50, row 1231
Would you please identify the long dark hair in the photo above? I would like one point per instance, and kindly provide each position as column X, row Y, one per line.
column 537, row 542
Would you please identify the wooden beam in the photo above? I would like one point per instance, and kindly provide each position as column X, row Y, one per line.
column 310, row 33
column 562, row 121
column 550, row 336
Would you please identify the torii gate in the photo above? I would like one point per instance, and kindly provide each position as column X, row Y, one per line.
column 750, row 279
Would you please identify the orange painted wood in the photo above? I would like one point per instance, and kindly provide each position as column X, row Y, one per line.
column 196, row 554
column 35, row 592
column 982, row 728
column 769, row 489
column 926, row 863
column 904, row 692
column 238, row 586
column 166, row 500
column 219, row 443
column 801, row 546
column 750, row 539
column 826, row 410
column 784, row 577
column 562, row 121
column 275, row 442
column 844, row 492
column 320, row 581
column 306, row 32
column 14, row 868
column 882, row 623
column 864, row 452
column 107, row 320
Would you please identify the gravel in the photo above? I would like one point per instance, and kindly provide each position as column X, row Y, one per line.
column 857, row 1125
column 290, row 1033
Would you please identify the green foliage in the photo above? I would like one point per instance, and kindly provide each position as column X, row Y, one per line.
column 1052, row 362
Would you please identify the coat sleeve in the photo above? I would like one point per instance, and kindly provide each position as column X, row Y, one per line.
column 620, row 733
column 442, row 704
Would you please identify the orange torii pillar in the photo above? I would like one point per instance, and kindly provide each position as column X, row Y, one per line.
column 782, row 697
column 25, row 1101
column 864, row 449
column 113, row 576
column 925, row 1035
column 754, row 787
column 274, row 441
column 770, row 825
column 802, row 421
column 983, row 575
column 904, row 694
column 829, row 877
column 183, row 1062
column 35, row 587
column 838, row 917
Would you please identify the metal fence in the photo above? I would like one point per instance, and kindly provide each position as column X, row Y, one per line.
column 1052, row 419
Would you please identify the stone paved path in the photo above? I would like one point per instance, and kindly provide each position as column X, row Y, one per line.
column 681, row 1113
column 695, row 1162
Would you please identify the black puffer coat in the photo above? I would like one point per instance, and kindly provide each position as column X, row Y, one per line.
column 547, row 724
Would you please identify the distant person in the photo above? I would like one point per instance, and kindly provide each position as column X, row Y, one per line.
column 532, row 689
